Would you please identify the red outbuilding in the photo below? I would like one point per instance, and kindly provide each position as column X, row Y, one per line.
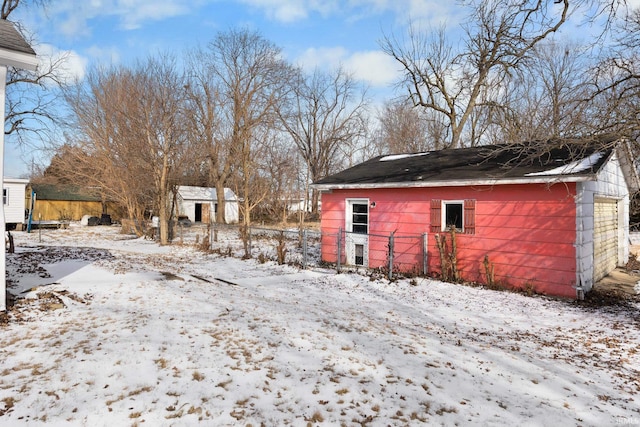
column 552, row 217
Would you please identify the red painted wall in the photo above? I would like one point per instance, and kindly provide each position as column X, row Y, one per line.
column 527, row 231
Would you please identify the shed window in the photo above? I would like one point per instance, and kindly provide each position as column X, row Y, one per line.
column 455, row 213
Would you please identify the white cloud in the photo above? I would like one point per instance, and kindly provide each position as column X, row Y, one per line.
column 373, row 67
column 134, row 12
column 633, row 4
column 422, row 12
column 68, row 65
column 432, row 11
column 280, row 10
column 131, row 14
column 293, row 10
column 323, row 58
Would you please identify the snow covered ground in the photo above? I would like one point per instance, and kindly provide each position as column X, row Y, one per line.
column 120, row 331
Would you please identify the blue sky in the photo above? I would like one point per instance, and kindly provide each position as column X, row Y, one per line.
column 323, row 33
column 310, row 33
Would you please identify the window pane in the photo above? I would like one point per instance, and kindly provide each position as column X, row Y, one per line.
column 453, row 215
column 360, row 208
column 359, row 254
column 359, row 228
column 359, row 219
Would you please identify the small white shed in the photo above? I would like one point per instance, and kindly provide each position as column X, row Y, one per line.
column 200, row 204
column 13, row 200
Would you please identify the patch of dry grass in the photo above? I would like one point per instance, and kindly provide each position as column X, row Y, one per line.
column 9, row 403
column 135, row 392
column 161, row 362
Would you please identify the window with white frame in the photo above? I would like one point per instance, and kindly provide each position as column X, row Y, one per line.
column 360, row 218
column 453, row 215
column 5, row 196
column 460, row 214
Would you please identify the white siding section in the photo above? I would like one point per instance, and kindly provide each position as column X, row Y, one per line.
column 610, row 184
column 605, row 237
column 15, row 206
column 189, row 196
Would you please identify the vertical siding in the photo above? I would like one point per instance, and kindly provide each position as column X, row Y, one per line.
column 58, row 210
column 610, row 183
column 605, row 237
column 527, row 231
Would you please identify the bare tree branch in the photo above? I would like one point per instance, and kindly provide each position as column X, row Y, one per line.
column 499, row 36
column 326, row 117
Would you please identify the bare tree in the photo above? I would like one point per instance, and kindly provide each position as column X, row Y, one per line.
column 160, row 116
column 499, row 36
column 105, row 140
column 282, row 170
column 252, row 82
column 32, row 97
column 205, row 118
column 546, row 99
column 616, row 82
column 403, row 128
column 129, row 125
column 325, row 118
column 9, row 6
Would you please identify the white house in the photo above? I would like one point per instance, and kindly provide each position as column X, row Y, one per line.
column 13, row 200
column 14, row 52
column 200, row 204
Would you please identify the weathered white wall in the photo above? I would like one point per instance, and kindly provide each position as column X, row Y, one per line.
column 188, row 208
column 610, row 183
column 14, row 209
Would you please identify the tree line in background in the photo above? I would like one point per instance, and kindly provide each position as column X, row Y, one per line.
column 235, row 114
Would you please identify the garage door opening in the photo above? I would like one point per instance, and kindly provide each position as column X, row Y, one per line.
column 605, row 237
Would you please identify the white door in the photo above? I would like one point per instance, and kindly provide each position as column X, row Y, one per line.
column 605, row 237
column 357, row 228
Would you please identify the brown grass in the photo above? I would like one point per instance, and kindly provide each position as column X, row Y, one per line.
column 9, row 403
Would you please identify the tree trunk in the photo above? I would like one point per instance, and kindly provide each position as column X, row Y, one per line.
column 164, row 202
column 220, row 218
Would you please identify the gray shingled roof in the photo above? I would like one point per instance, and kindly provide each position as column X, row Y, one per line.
column 11, row 39
column 550, row 161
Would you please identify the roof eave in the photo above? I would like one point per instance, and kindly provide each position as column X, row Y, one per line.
column 459, row 183
column 13, row 58
column 15, row 180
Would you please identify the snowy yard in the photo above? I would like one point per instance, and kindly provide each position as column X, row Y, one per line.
column 120, row 331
